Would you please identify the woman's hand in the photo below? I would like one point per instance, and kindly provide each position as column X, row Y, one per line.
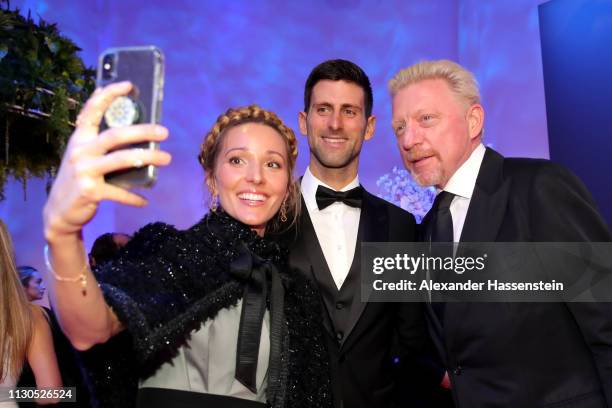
column 79, row 186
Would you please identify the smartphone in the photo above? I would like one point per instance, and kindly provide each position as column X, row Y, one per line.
column 144, row 68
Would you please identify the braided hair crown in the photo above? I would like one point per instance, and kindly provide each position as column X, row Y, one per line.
column 237, row 116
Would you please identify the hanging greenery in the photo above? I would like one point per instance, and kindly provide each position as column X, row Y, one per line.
column 43, row 84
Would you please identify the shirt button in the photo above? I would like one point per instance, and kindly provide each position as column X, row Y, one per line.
column 458, row 370
column 339, row 336
column 339, row 305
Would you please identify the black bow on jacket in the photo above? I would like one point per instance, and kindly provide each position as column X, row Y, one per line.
column 256, row 273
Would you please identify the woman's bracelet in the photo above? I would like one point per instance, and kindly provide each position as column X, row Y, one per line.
column 81, row 278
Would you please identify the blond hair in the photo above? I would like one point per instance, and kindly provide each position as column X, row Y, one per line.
column 212, row 143
column 15, row 314
column 461, row 81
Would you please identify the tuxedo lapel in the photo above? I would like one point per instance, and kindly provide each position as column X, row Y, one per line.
column 436, row 329
column 373, row 225
column 312, row 261
column 482, row 223
column 489, row 201
column 483, row 220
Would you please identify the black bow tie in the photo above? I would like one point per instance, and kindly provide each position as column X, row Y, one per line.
column 326, row 197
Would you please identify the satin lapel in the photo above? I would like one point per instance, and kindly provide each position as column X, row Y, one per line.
column 373, row 227
column 483, row 219
column 485, row 214
column 313, row 261
column 436, row 329
column 489, row 201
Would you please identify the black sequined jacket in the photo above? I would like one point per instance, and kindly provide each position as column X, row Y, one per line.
column 166, row 283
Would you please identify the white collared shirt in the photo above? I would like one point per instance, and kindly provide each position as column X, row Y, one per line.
column 336, row 227
column 462, row 184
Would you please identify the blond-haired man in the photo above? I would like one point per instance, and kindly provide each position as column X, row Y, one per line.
column 501, row 354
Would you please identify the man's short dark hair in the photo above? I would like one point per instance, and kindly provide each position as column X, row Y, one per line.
column 339, row 70
column 104, row 248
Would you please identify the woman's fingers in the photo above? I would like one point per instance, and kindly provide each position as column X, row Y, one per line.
column 122, row 159
column 120, row 195
column 88, row 121
column 65, row 216
column 114, row 138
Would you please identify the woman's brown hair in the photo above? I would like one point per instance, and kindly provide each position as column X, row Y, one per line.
column 15, row 312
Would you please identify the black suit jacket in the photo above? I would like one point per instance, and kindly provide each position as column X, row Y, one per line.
column 528, row 355
column 361, row 357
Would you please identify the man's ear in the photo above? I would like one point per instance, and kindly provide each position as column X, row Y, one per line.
column 475, row 118
column 370, row 127
column 302, row 121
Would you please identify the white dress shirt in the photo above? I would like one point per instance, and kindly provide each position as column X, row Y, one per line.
column 336, row 227
column 462, row 184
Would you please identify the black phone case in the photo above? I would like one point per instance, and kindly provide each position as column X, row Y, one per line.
column 144, row 67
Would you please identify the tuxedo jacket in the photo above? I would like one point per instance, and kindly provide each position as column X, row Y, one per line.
column 360, row 335
column 536, row 354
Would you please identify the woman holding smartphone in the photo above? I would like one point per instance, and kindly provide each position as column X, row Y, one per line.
column 209, row 316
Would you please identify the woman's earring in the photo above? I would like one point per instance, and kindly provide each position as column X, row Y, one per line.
column 214, row 202
column 283, row 211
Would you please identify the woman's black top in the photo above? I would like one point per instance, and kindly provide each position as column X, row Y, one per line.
column 165, row 283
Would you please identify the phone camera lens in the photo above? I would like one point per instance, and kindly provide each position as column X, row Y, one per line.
column 108, row 66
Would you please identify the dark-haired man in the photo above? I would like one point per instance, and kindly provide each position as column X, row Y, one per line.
column 337, row 215
column 106, row 247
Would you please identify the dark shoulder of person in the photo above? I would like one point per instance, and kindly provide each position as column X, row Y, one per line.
column 401, row 224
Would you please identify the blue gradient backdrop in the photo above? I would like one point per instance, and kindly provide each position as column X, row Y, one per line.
column 577, row 55
column 228, row 53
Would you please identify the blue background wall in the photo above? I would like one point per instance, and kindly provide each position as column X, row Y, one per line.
column 228, row 53
column 577, row 56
